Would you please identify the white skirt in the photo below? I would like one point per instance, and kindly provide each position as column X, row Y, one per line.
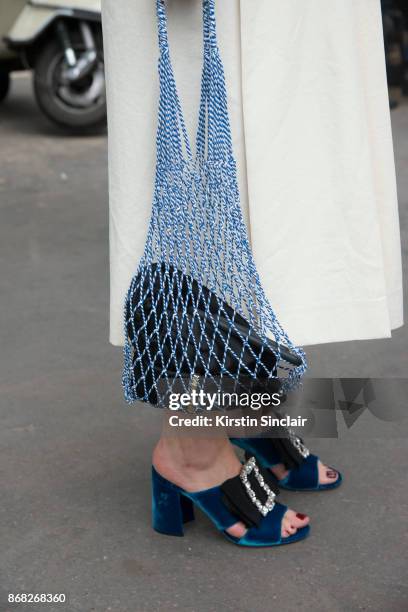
column 311, row 129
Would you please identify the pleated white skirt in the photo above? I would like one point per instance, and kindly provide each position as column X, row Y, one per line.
column 311, row 129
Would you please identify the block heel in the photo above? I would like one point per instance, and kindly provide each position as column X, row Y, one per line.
column 170, row 509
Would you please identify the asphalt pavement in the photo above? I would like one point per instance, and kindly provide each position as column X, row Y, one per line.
column 75, row 458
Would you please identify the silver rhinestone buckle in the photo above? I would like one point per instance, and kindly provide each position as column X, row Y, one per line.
column 247, row 468
column 298, row 444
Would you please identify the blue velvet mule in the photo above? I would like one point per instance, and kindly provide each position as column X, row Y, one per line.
column 303, row 469
column 249, row 497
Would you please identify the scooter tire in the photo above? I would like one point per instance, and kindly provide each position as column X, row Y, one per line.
column 48, row 102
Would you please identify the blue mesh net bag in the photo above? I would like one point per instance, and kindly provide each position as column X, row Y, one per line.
column 196, row 306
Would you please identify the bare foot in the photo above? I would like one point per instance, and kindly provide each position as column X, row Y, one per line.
column 198, row 464
column 327, row 475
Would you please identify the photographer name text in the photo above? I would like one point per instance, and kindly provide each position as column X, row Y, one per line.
column 223, row 420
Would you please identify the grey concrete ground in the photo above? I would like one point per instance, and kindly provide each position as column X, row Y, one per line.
column 75, row 459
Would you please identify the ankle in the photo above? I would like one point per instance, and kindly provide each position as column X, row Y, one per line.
column 195, row 464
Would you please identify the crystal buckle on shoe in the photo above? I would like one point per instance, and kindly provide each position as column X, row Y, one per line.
column 249, row 467
column 298, row 444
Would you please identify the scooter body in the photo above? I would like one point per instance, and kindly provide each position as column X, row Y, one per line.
column 62, row 43
column 33, row 18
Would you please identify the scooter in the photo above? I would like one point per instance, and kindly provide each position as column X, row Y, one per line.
column 61, row 42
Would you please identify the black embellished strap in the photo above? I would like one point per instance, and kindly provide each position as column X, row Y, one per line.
column 291, row 449
column 251, row 495
column 299, row 444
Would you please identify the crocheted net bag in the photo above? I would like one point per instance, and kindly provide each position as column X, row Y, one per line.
column 196, row 306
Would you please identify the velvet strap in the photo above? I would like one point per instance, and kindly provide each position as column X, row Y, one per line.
column 305, row 476
column 211, row 502
column 268, row 530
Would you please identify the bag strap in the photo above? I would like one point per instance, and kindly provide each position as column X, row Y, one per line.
column 213, row 139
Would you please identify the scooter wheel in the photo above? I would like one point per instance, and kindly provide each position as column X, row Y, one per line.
column 77, row 106
column 4, row 85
